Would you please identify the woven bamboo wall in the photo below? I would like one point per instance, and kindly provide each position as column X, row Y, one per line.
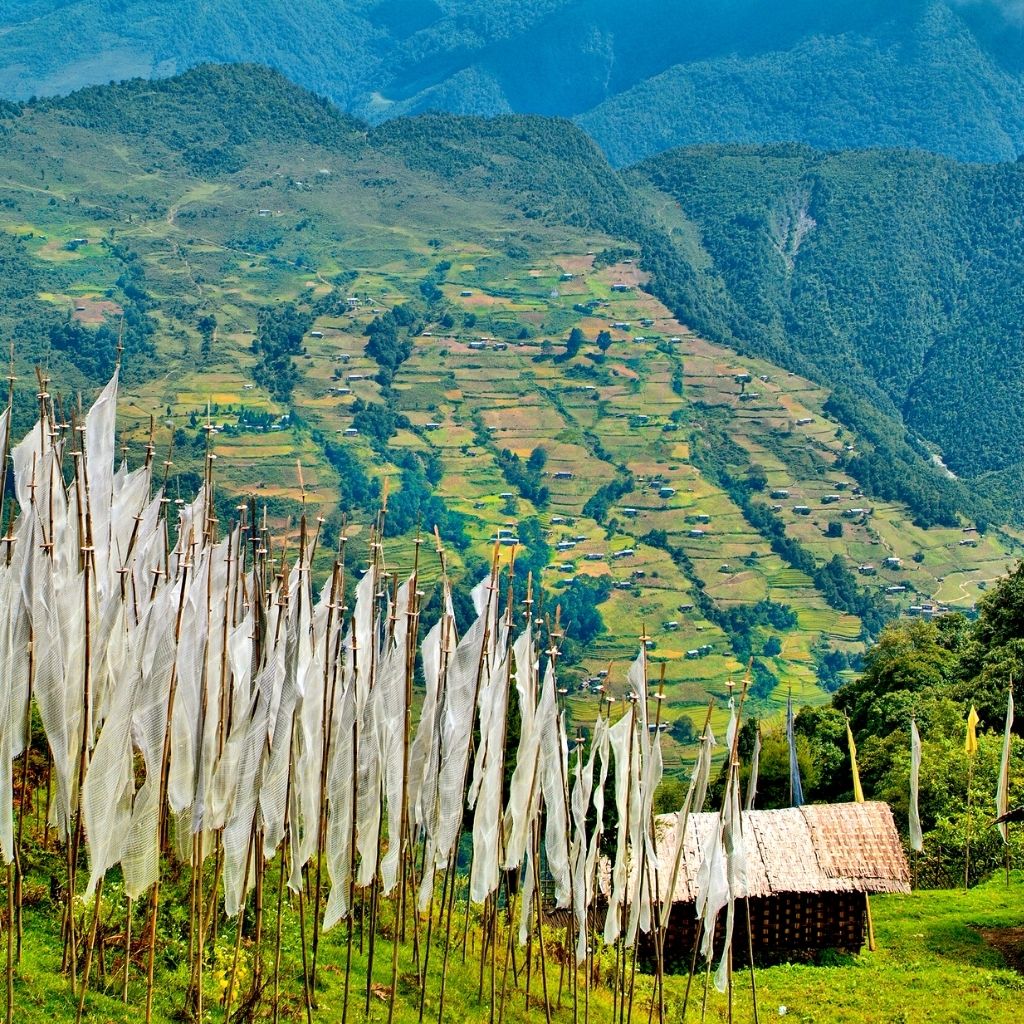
column 787, row 927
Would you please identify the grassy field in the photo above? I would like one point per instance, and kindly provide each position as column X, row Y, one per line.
column 941, row 957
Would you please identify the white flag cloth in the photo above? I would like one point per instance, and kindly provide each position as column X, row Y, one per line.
column 712, row 886
column 391, row 729
column 1003, row 784
column 619, row 740
column 524, row 788
column 736, row 868
column 916, row 838
column 755, row 768
column 485, row 789
column 436, row 651
column 582, row 887
column 464, row 674
column 554, row 759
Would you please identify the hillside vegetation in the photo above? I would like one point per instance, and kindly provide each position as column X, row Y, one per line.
column 892, row 275
column 642, row 77
column 459, row 313
column 932, row 951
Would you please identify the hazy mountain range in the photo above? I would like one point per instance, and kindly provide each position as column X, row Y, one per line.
column 640, row 77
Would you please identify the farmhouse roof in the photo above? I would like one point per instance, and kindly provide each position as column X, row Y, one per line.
column 821, row 848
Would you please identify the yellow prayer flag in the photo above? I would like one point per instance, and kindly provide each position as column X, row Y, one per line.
column 971, row 743
column 858, row 792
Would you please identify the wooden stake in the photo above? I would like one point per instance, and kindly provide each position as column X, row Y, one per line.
column 750, row 961
column 97, row 901
column 127, row 950
column 10, row 943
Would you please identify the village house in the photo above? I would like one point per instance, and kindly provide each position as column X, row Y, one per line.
column 809, row 871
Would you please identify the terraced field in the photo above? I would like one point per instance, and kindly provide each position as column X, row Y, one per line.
column 489, row 371
column 598, row 419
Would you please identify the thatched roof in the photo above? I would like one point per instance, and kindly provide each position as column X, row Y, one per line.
column 814, row 849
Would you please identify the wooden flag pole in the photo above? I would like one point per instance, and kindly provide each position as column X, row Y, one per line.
column 162, row 791
column 127, row 949
column 97, row 901
column 10, row 943
column 967, row 842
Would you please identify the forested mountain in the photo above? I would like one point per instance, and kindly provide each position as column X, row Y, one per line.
column 895, row 275
column 486, row 321
column 641, row 77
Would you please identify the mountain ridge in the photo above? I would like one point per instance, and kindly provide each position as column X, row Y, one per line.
column 639, row 79
column 514, row 358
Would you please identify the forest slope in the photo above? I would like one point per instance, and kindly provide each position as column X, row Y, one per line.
column 894, row 274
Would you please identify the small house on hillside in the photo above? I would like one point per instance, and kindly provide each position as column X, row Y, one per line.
column 809, row 870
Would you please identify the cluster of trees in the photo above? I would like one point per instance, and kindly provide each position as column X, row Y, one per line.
column 415, row 505
column 598, row 504
column 573, row 344
column 378, row 421
column 743, row 618
column 279, row 332
column 359, row 491
column 390, row 341
column 830, row 665
column 580, row 616
column 207, row 327
column 932, row 672
column 527, row 477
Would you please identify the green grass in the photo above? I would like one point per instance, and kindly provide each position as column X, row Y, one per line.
column 931, row 963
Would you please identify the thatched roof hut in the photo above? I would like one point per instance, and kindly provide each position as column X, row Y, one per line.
column 808, row 872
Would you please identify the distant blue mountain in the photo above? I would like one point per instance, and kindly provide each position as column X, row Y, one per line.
column 640, row 75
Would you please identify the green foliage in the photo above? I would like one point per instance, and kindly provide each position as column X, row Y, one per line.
column 377, row 421
column 527, row 477
column 358, row 490
column 279, row 333
column 572, row 346
column 834, row 76
column 386, row 346
column 933, row 672
column 598, row 504
column 207, row 326
column 248, row 104
column 416, row 506
column 889, row 276
column 773, row 770
column 581, row 617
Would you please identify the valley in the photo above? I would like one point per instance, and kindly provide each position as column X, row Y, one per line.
column 694, row 496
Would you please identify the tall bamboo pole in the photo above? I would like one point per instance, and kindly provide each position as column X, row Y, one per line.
column 162, row 797
column 411, row 627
